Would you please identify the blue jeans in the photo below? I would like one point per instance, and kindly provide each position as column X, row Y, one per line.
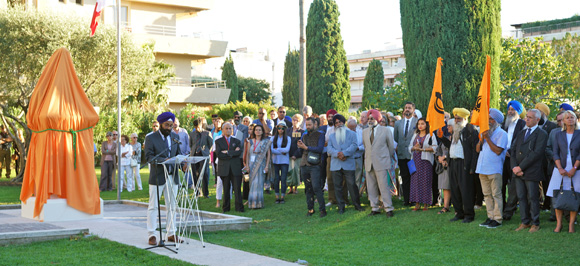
column 313, row 186
column 280, row 177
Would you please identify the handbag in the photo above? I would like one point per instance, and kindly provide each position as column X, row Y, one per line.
column 411, row 166
column 567, row 200
column 134, row 163
column 313, row 158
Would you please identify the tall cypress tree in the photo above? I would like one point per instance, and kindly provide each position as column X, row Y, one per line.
column 373, row 82
column 231, row 78
column 462, row 33
column 326, row 65
column 291, row 78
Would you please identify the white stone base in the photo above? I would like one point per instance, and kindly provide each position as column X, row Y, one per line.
column 56, row 210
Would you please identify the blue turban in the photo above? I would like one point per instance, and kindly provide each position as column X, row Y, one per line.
column 517, row 106
column 496, row 115
column 567, row 107
column 167, row 116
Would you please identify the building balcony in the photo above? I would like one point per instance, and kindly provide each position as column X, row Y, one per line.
column 197, row 5
column 548, row 31
column 200, row 94
column 390, row 73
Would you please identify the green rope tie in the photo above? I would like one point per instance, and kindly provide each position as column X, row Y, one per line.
column 74, row 136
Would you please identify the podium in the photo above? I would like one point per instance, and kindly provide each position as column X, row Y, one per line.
column 184, row 205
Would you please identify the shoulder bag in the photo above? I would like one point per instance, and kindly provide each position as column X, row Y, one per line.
column 567, row 200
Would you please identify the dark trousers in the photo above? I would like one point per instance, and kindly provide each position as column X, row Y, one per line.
column 280, row 175
column 510, row 203
column 435, row 186
column 5, row 160
column 345, row 176
column 197, row 172
column 236, row 180
column 548, row 174
column 462, row 190
column 312, row 186
column 529, row 197
column 323, row 163
column 477, row 191
column 406, row 176
column 107, row 172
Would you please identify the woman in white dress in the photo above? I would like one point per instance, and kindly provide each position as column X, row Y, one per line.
column 567, row 159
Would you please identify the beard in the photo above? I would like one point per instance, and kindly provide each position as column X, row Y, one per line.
column 457, row 130
column 237, row 122
column 331, row 123
column 164, row 131
column 510, row 120
column 340, row 134
column 493, row 127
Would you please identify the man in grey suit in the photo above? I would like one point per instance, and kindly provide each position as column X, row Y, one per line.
column 529, row 149
column 404, row 129
column 342, row 146
column 159, row 147
column 379, row 149
column 238, row 116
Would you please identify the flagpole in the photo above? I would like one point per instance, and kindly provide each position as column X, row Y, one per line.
column 119, row 188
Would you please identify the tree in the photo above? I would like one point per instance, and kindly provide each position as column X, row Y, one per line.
column 569, row 48
column 256, row 90
column 373, row 82
column 532, row 72
column 391, row 98
column 29, row 38
column 291, row 79
column 326, row 65
column 462, row 33
column 229, row 75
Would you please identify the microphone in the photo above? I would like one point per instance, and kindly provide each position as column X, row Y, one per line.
column 176, row 141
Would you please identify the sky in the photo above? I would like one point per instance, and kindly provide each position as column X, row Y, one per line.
column 272, row 25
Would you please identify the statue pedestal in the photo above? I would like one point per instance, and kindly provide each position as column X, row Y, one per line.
column 55, row 210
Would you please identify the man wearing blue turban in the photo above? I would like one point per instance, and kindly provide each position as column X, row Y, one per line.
column 512, row 125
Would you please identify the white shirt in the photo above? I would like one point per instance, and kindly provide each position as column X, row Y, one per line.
column 126, row 160
column 456, row 150
column 510, row 132
column 526, row 130
column 167, row 140
column 405, row 125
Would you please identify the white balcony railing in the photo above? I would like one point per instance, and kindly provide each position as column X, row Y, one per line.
column 546, row 29
column 172, row 31
column 220, row 84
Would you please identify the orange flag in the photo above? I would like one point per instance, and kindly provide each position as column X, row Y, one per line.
column 435, row 113
column 480, row 116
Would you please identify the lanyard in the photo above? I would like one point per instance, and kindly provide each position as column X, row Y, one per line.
column 256, row 145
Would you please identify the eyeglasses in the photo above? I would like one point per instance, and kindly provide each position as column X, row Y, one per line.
column 155, row 126
column 261, row 113
column 134, row 137
column 115, row 134
column 282, row 112
column 280, row 128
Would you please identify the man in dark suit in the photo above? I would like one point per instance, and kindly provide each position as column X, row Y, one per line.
column 160, row 146
column 404, row 129
column 282, row 117
column 229, row 151
column 512, row 125
column 200, row 145
column 528, row 149
column 547, row 163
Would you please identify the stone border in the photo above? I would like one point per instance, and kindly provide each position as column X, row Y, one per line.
column 36, row 236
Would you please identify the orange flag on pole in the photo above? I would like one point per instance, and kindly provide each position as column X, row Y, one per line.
column 435, row 113
column 480, row 116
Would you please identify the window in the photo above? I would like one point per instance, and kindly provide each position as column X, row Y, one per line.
column 79, row 2
column 111, row 15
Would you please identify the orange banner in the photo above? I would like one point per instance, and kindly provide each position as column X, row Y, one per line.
column 436, row 113
column 480, row 116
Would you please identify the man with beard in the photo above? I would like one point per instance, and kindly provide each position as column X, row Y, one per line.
column 551, row 163
column 462, row 165
column 404, row 129
column 492, row 149
column 342, row 146
column 164, row 144
column 326, row 162
column 528, row 148
column 379, row 149
column 512, row 125
column 312, row 141
column 547, row 164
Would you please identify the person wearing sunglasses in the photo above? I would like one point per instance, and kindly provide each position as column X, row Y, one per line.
column 280, row 160
column 282, row 117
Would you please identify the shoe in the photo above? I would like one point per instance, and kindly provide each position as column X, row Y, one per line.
column 407, row 204
column 522, row 227
column 493, row 224
column 277, row 201
column 242, row 210
column 415, row 209
column 508, row 218
column 174, row 239
column 310, row 213
column 282, row 201
column 152, row 241
column 390, row 214
column 454, row 219
column 340, row 211
column 534, row 228
column 444, row 210
column 476, row 207
column 373, row 213
column 467, row 220
column 486, row 223
column 322, row 214
column 328, row 204
column 360, row 209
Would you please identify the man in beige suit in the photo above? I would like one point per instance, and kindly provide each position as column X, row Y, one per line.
column 379, row 149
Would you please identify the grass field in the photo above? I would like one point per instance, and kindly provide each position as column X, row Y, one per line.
column 283, row 231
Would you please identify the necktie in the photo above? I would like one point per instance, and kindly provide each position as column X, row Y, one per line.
column 527, row 134
column 407, row 128
column 372, row 134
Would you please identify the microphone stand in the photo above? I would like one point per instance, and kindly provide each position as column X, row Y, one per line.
column 161, row 243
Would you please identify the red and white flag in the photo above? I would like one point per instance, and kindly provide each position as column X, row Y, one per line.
column 96, row 15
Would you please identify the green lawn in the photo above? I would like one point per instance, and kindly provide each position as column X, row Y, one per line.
column 283, row 231
column 81, row 251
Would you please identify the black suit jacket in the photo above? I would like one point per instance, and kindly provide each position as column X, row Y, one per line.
column 469, row 140
column 200, row 142
column 231, row 159
column 154, row 145
column 527, row 154
column 561, row 148
column 548, row 126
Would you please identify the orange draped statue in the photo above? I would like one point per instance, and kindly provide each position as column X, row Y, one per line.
column 60, row 157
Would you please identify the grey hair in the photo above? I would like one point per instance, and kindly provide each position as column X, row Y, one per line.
column 248, row 117
column 307, row 109
column 134, row 135
column 568, row 113
column 537, row 112
column 227, row 123
column 351, row 121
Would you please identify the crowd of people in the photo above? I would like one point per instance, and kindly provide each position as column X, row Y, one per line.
column 521, row 161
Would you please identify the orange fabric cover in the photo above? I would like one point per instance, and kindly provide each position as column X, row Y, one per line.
column 59, row 102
